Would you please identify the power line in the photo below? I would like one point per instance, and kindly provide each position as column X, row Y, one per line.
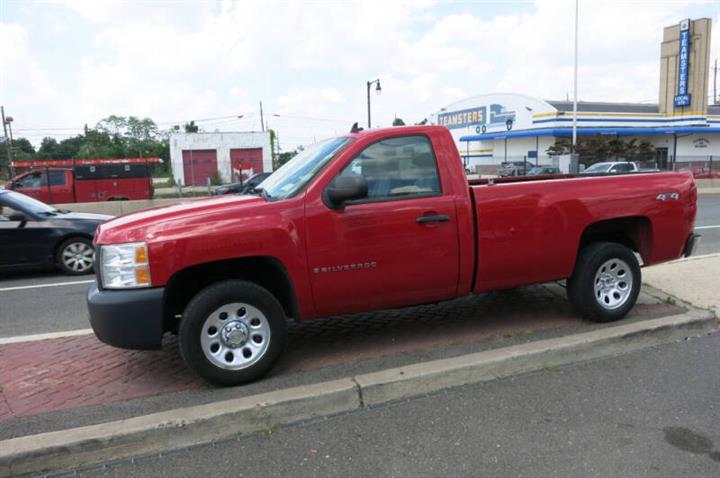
column 311, row 118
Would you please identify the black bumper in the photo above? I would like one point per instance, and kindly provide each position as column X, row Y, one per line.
column 691, row 244
column 129, row 319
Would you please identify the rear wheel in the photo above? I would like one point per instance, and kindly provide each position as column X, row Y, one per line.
column 232, row 332
column 76, row 256
column 606, row 282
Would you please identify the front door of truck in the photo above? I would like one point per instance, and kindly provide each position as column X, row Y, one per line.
column 31, row 184
column 60, row 189
column 398, row 246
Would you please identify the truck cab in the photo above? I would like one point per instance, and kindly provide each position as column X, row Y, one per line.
column 49, row 185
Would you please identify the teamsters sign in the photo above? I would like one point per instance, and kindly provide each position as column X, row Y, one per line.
column 683, row 97
column 478, row 117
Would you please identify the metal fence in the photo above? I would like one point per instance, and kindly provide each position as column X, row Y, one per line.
column 701, row 166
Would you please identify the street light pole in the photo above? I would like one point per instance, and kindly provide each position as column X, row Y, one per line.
column 378, row 89
column 7, row 123
column 574, row 121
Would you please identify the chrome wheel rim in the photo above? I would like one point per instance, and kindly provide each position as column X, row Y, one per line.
column 235, row 336
column 78, row 257
column 613, row 284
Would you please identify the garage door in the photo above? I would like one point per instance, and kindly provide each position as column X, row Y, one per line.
column 199, row 165
column 246, row 162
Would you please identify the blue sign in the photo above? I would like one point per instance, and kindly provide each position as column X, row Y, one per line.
column 683, row 97
column 463, row 118
column 479, row 117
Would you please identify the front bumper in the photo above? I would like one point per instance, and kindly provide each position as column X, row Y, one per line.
column 129, row 319
column 691, row 244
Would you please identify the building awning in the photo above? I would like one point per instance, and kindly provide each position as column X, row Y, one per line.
column 531, row 133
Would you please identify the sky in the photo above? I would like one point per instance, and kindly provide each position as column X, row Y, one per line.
column 66, row 64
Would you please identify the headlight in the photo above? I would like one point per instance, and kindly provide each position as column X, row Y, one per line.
column 124, row 266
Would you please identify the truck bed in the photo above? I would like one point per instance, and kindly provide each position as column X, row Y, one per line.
column 530, row 228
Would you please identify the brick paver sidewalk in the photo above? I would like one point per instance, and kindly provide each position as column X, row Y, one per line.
column 66, row 373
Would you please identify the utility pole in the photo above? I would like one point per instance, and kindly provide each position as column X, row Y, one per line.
column 262, row 120
column 574, row 119
column 8, row 138
column 716, row 100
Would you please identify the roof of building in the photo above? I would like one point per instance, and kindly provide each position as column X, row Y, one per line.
column 605, row 107
column 566, row 131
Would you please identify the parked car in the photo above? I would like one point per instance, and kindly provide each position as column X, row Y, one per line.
column 93, row 181
column 543, row 170
column 706, row 175
column 35, row 235
column 376, row 219
column 612, row 167
column 245, row 187
column 514, row 168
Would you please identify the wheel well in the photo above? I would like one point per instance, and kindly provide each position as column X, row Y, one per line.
column 634, row 232
column 266, row 272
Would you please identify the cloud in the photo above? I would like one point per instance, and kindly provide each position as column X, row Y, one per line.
column 93, row 10
column 312, row 59
column 22, row 79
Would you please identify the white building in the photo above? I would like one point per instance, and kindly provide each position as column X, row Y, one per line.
column 682, row 127
column 196, row 157
column 491, row 129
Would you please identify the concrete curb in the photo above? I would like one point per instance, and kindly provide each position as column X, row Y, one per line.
column 158, row 432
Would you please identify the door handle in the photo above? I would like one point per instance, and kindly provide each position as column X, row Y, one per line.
column 435, row 218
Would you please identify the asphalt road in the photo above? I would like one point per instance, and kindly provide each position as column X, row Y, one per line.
column 708, row 223
column 648, row 413
column 50, row 302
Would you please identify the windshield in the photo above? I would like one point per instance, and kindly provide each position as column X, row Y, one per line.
column 292, row 177
column 598, row 168
column 22, row 203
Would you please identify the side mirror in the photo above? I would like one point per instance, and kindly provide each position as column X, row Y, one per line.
column 18, row 216
column 348, row 187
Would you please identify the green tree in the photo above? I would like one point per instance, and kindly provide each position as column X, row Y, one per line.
column 422, row 123
column 594, row 149
column 398, row 122
column 49, row 149
column 99, row 144
column 191, row 127
column 284, row 158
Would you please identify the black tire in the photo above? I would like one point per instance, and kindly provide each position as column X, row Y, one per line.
column 198, row 320
column 598, row 305
column 72, row 257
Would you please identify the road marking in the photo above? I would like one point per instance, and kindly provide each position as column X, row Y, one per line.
column 52, row 335
column 708, row 227
column 40, row 286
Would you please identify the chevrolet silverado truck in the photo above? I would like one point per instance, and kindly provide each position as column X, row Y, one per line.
column 373, row 220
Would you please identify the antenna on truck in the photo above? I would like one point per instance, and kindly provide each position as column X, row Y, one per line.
column 355, row 128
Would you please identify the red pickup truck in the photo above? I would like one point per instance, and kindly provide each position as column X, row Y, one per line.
column 88, row 181
column 375, row 219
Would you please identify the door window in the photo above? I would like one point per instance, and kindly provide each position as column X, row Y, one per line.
column 33, row 180
column 397, row 168
column 57, row 178
column 621, row 168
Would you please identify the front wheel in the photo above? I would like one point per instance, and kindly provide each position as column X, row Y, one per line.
column 76, row 256
column 606, row 282
column 232, row 332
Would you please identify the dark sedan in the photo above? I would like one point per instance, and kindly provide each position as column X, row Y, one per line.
column 245, row 187
column 35, row 235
